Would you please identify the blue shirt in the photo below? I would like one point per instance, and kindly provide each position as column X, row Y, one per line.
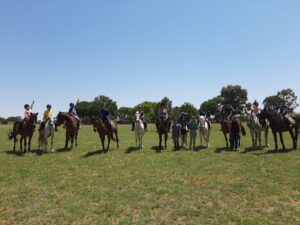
column 73, row 111
column 176, row 128
column 104, row 113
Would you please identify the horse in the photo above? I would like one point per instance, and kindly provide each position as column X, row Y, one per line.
column 72, row 128
column 184, row 134
column 139, row 131
column 279, row 124
column 163, row 127
column 204, row 131
column 26, row 131
column 256, row 128
column 225, row 128
column 100, row 127
column 44, row 134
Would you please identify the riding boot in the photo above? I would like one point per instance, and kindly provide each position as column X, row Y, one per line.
column 145, row 126
column 133, row 126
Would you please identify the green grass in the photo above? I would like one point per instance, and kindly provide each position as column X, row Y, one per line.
column 126, row 186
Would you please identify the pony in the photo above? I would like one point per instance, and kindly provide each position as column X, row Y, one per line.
column 256, row 128
column 279, row 124
column 100, row 127
column 48, row 131
column 25, row 129
column 139, row 131
column 72, row 128
column 204, row 131
column 163, row 127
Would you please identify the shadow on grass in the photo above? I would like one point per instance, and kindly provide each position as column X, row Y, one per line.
column 224, row 149
column 97, row 152
column 254, row 148
column 280, row 151
column 16, row 153
column 132, row 149
column 157, row 149
column 63, row 150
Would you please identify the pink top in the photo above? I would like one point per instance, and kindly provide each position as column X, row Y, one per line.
column 27, row 113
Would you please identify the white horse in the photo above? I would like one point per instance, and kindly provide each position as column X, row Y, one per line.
column 139, row 131
column 204, row 131
column 256, row 129
column 44, row 134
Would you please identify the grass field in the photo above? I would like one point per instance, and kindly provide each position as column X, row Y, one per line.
column 125, row 186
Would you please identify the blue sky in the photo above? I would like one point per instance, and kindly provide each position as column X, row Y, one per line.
column 134, row 50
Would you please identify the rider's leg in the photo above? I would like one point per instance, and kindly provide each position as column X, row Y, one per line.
column 133, row 126
column 145, row 125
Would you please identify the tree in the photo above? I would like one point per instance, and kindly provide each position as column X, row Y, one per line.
column 13, row 118
column 272, row 102
column 189, row 108
column 290, row 97
column 235, row 96
column 103, row 101
column 126, row 114
column 212, row 105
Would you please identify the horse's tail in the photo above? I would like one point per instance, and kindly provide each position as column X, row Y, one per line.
column 11, row 134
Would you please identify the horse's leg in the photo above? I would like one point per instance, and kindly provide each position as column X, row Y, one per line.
column 21, row 143
column 259, row 138
column 29, row 143
column 136, row 140
column 25, row 144
column 160, row 139
column 108, row 142
column 76, row 137
column 266, row 136
column 67, row 140
column 117, row 138
column 166, row 140
column 72, row 140
column 293, row 138
column 102, row 137
column 275, row 139
column 281, row 140
column 296, row 137
column 225, row 135
column 52, row 138
column 15, row 141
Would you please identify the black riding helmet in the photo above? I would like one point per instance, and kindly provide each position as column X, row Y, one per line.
column 255, row 103
column 72, row 104
column 26, row 106
column 48, row 106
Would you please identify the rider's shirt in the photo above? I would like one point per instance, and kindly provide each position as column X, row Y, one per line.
column 73, row 111
column 104, row 113
column 48, row 115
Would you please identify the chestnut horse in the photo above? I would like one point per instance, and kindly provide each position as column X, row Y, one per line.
column 102, row 129
column 72, row 128
column 25, row 129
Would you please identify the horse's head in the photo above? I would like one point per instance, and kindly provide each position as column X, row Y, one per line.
column 33, row 118
column 59, row 119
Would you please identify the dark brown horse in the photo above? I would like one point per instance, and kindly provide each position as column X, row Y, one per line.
column 72, row 128
column 103, row 130
column 25, row 129
column 279, row 124
column 163, row 127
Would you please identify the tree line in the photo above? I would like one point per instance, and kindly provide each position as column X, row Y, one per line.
column 233, row 95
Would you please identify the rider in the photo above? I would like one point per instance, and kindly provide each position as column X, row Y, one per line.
column 27, row 115
column 104, row 115
column 256, row 109
column 163, row 115
column 184, row 118
column 284, row 111
column 73, row 112
column 140, row 112
column 48, row 117
column 206, row 115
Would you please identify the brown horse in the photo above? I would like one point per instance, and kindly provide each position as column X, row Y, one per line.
column 102, row 129
column 225, row 128
column 72, row 128
column 25, row 129
column 279, row 124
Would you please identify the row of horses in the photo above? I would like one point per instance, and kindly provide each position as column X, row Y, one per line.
column 256, row 124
